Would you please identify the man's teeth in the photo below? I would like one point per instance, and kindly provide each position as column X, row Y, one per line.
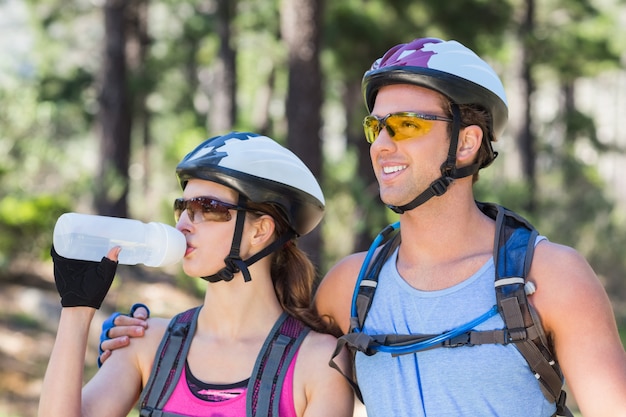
column 389, row 170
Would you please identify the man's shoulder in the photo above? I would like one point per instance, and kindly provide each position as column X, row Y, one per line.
column 343, row 275
column 334, row 294
column 561, row 275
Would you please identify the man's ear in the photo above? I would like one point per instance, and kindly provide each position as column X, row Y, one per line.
column 470, row 139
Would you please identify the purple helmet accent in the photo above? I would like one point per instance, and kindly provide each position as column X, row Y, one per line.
column 444, row 66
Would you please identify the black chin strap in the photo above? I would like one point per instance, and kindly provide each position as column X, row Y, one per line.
column 449, row 171
column 233, row 261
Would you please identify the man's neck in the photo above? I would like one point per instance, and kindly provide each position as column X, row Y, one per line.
column 444, row 243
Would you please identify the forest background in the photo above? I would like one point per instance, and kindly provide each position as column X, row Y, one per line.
column 100, row 99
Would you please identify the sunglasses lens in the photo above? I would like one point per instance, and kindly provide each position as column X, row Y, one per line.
column 202, row 209
column 179, row 206
column 371, row 126
column 399, row 126
column 407, row 126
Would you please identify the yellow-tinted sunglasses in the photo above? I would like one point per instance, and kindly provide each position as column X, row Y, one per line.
column 401, row 125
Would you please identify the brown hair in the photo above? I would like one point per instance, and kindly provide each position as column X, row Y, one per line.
column 473, row 114
column 293, row 274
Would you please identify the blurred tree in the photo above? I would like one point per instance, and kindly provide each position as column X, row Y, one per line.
column 115, row 116
column 301, row 25
column 223, row 109
column 526, row 138
column 568, row 39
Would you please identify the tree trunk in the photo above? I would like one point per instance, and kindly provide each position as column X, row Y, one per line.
column 526, row 136
column 223, row 101
column 114, row 116
column 138, row 44
column 301, row 22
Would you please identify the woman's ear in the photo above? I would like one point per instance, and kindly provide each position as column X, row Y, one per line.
column 470, row 139
column 263, row 227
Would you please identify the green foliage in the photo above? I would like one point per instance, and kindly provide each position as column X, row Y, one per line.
column 26, row 225
column 510, row 194
column 492, row 17
column 46, row 127
column 575, row 38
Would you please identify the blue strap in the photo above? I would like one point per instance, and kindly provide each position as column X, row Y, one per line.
column 414, row 347
column 366, row 262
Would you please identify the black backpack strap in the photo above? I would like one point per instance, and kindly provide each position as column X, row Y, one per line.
column 271, row 366
column 168, row 365
column 363, row 296
column 267, row 378
column 513, row 253
column 367, row 286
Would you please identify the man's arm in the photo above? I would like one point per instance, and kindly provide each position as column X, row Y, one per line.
column 577, row 314
column 334, row 294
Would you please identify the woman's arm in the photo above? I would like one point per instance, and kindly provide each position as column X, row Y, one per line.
column 82, row 286
column 63, row 381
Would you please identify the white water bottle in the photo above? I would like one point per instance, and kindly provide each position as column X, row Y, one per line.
column 89, row 238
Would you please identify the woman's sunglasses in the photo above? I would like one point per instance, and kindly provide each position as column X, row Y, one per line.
column 204, row 209
column 401, row 125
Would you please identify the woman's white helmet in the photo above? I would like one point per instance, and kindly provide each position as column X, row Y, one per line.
column 261, row 170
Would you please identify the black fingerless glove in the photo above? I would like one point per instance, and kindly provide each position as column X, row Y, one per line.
column 82, row 283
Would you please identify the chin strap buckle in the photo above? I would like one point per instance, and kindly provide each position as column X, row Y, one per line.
column 440, row 186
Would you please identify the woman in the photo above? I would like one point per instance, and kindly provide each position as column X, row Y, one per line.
column 245, row 201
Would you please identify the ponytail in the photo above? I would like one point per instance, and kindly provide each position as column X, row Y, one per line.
column 293, row 274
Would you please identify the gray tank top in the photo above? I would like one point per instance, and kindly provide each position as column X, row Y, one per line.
column 485, row 380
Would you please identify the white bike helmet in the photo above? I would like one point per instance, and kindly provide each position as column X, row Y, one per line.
column 444, row 66
column 262, row 171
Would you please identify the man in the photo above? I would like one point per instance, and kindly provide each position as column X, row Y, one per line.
column 435, row 109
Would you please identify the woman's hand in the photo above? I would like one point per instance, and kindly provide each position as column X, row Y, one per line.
column 84, row 283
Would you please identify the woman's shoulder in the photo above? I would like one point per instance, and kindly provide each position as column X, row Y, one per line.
column 316, row 352
column 316, row 342
column 326, row 391
column 156, row 327
column 145, row 348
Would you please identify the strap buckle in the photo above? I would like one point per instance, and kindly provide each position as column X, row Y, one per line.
column 440, row 185
column 458, row 341
column 515, row 335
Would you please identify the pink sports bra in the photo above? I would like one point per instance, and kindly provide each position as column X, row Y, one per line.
column 183, row 401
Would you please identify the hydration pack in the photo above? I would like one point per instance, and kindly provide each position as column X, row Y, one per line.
column 514, row 247
column 266, row 382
